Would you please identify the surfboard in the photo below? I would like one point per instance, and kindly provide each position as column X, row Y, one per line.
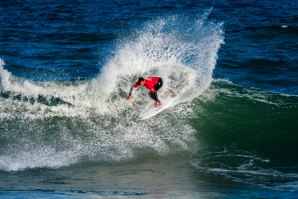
column 151, row 111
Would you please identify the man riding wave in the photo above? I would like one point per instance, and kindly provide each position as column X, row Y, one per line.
column 151, row 83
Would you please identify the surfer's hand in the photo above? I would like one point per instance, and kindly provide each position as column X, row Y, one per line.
column 129, row 97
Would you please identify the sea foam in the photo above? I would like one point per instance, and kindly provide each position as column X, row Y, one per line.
column 93, row 119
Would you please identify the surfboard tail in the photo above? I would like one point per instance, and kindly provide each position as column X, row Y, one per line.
column 147, row 113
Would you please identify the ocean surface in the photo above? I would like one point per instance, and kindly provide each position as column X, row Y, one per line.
column 67, row 129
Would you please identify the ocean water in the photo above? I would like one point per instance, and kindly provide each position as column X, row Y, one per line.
column 68, row 131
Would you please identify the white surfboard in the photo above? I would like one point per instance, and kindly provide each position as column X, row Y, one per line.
column 151, row 111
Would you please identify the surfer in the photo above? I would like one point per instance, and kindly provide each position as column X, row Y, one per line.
column 151, row 83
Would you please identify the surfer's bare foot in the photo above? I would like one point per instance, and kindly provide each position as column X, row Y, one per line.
column 158, row 104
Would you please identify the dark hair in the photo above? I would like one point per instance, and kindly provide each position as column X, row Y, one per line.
column 141, row 79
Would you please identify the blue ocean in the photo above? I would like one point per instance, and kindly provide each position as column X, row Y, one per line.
column 67, row 129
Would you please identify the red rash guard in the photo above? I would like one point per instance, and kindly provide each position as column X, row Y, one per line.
column 149, row 83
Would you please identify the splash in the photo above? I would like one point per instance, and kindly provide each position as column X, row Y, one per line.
column 66, row 122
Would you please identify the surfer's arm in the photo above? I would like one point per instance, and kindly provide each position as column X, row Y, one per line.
column 131, row 91
column 133, row 88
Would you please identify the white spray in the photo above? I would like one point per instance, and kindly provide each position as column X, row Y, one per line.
column 181, row 50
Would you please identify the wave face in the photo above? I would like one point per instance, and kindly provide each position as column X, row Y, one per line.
column 247, row 136
column 54, row 124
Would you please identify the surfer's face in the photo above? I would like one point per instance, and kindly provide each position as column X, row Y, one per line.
column 142, row 83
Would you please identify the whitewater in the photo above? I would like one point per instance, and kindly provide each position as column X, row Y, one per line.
column 59, row 123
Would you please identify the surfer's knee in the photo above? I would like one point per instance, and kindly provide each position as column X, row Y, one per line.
column 153, row 96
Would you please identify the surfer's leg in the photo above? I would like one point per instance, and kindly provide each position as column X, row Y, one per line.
column 154, row 97
column 158, row 85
